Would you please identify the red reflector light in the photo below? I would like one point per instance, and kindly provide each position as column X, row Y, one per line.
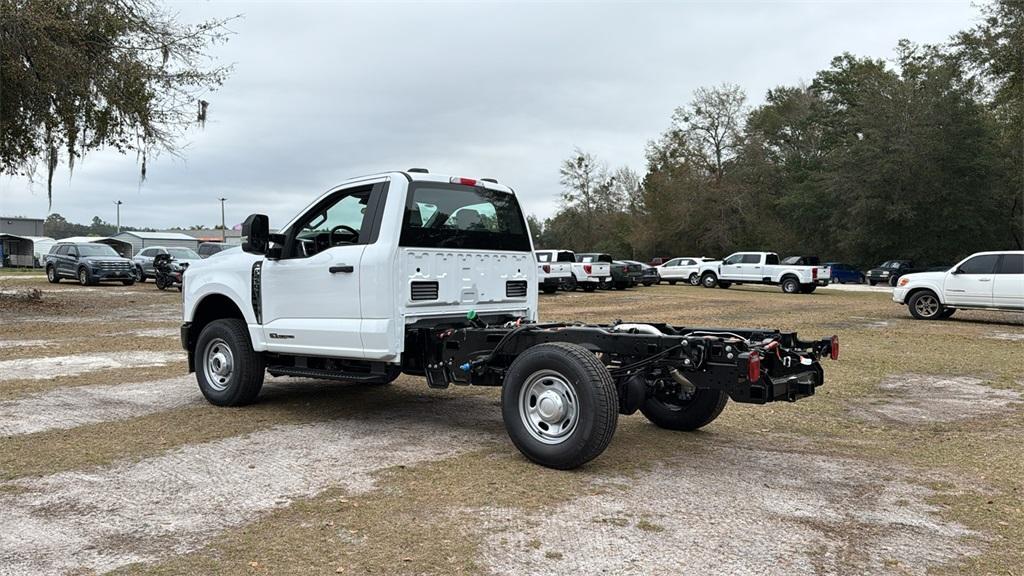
column 547, row 268
column 814, row 273
column 833, row 351
column 463, row 181
column 754, row 367
column 587, row 268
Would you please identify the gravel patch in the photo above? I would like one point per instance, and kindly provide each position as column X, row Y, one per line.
column 733, row 511
column 1011, row 336
column 152, row 333
column 52, row 367
column 921, row 399
column 27, row 343
column 67, row 408
column 171, row 504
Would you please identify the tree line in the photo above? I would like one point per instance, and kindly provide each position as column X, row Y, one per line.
column 921, row 157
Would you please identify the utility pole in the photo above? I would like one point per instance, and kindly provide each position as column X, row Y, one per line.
column 223, row 231
column 118, row 204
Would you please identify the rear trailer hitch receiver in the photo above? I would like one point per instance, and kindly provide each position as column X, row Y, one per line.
column 678, row 377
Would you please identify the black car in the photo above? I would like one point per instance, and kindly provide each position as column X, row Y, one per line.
column 89, row 263
column 889, row 272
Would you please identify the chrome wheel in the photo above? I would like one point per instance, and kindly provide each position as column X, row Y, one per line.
column 694, row 279
column 218, row 364
column 927, row 305
column 549, row 407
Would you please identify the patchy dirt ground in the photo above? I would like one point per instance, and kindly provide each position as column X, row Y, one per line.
column 908, row 461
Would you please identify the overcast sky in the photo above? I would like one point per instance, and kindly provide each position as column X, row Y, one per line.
column 325, row 91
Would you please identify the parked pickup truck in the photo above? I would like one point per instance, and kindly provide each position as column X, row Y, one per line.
column 762, row 268
column 983, row 281
column 434, row 276
column 554, row 270
column 591, row 271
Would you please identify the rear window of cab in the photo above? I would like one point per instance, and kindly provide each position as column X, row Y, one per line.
column 439, row 215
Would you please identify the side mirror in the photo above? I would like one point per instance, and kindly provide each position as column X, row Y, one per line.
column 956, row 271
column 256, row 230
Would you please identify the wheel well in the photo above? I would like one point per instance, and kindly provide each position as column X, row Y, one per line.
column 915, row 291
column 787, row 277
column 210, row 308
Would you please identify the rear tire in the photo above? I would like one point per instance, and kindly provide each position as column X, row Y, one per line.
column 589, row 287
column 51, row 275
column 694, row 279
column 570, row 285
column 790, row 285
column 700, row 410
column 228, row 371
column 140, row 276
column 559, row 405
column 550, row 289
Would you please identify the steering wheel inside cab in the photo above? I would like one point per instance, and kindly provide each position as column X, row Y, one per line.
column 340, row 235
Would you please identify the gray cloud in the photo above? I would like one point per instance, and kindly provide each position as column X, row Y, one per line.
column 323, row 92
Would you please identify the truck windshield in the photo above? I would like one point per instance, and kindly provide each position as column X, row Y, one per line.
column 455, row 216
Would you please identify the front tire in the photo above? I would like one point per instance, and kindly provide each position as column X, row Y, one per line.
column 872, row 282
column 894, row 280
column 589, row 287
column 83, row 277
column 925, row 305
column 559, row 405
column 51, row 275
column 229, row 372
column 140, row 276
column 673, row 414
column 709, row 280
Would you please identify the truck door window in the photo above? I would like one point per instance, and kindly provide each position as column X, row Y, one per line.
column 771, row 259
column 751, row 259
column 1011, row 264
column 984, row 264
column 337, row 222
column 440, row 215
column 566, row 257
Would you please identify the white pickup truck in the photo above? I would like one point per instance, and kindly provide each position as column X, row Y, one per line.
column 554, row 270
column 591, row 272
column 762, row 268
column 434, row 276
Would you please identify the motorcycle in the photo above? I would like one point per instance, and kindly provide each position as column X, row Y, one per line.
column 168, row 273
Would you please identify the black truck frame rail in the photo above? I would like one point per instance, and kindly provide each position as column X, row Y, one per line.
column 750, row 365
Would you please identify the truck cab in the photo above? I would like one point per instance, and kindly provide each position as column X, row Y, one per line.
column 369, row 257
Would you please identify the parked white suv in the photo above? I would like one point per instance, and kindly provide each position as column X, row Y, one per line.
column 983, row 281
column 683, row 269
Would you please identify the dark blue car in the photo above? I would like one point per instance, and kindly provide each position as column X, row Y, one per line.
column 844, row 273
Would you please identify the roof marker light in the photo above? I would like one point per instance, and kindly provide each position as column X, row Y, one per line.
column 463, row 181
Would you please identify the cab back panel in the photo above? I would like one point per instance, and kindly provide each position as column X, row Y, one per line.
column 440, row 280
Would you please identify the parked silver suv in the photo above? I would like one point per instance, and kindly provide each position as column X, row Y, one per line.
column 144, row 259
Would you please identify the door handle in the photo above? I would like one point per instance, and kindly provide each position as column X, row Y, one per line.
column 343, row 268
column 984, row 279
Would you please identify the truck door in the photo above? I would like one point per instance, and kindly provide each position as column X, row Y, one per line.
column 1008, row 284
column 732, row 268
column 752, row 267
column 310, row 296
column 970, row 283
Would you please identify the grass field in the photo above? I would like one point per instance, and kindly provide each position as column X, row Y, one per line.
column 910, row 460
